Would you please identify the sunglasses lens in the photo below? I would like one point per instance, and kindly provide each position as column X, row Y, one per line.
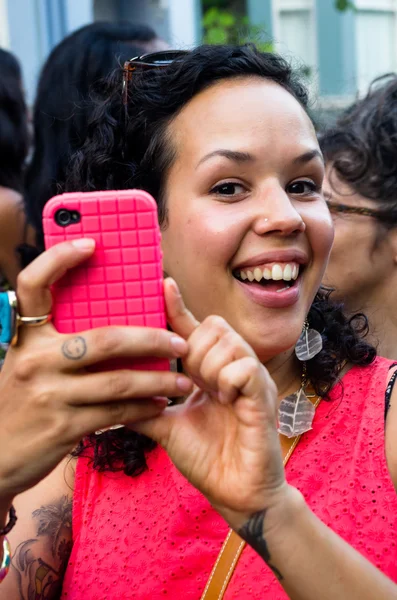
column 158, row 59
column 164, row 59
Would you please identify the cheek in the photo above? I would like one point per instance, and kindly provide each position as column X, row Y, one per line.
column 342, row 240
column 204, row 238
column 351, row 240
column 322, row 235
column 349, row 264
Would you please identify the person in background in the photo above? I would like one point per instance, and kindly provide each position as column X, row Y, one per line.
column 14, row 144
column 361, row 186
column 73, row 71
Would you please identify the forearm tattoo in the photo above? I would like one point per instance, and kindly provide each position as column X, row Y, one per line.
column 40, row 579
column 252, row 533
column 74, row 348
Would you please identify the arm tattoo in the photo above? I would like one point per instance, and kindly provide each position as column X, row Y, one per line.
column 74, row 348
column 40, row 579
column 252, row 533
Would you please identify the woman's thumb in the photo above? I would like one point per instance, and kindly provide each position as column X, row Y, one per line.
column 179, row 317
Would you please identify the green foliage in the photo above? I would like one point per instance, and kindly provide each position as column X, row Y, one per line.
column 344, row 5
column 224, row 27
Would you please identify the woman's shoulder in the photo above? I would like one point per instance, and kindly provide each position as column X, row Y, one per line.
column 42, row 510
column 12, row 216
column 367, row 384
column 10, row 200
column 12, row 233
column 377, row 369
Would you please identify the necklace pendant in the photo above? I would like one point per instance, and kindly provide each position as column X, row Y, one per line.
column 295, row 414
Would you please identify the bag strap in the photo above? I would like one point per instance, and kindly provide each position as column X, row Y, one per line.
column 234, row 545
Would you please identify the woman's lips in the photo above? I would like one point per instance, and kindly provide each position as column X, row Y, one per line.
column 277, row 294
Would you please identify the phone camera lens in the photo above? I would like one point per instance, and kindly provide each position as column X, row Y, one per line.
column 63, row 217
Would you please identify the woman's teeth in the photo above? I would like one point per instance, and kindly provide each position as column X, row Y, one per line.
column 276, row 273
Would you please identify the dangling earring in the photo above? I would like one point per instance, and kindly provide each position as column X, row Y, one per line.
column 296, row 412
column 309, row 344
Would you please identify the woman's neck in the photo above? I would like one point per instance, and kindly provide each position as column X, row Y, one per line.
column 383, row 332
column 286, row 372
column 380, row 309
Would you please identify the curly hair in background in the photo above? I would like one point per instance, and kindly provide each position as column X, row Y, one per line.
column 362, row 147
column 130, row 146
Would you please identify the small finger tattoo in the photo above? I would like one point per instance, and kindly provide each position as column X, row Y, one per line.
column 74, row 348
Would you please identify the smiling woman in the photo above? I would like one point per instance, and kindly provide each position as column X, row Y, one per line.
column 221, row 137
column 233, row 184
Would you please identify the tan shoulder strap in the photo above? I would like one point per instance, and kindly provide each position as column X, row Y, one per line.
column 224, row 566
column 233, row 545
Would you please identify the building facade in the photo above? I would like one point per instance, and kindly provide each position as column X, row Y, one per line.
column 344, row 51
column 341, row 52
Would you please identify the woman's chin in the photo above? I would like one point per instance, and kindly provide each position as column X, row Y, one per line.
column 269, row 344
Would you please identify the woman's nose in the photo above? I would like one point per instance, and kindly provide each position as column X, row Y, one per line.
column 277, row 214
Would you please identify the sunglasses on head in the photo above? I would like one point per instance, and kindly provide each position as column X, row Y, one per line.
column 153, row 60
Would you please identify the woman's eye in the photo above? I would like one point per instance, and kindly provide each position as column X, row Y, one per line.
column 303, row 187
column 228, row 189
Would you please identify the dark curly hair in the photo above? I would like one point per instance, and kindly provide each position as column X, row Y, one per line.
column 130, row 147
column 362, row 147
column 14, row 138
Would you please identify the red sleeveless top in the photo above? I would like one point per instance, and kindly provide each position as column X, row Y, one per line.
column 154, row 536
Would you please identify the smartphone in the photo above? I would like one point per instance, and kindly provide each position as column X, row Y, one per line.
column 122, row 283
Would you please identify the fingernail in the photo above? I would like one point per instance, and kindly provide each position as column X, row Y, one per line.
column 174, row 286
column 179, row 346
column 184, row 384
column 84, row 243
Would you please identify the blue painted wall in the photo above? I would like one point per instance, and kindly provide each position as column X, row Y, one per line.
column 260, row 14
column 27, row 30
column 139, row 11
column 36, row 27
column 336, row 50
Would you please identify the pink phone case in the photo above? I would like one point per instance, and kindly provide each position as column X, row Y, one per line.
column 122, row 283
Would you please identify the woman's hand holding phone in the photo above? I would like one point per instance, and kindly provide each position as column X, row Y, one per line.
column 49, row 399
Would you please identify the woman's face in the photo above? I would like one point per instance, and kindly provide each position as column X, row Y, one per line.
column 362, row 260
column 244, row 202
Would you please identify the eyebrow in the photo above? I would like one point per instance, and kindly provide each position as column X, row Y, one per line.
column 244, row 157
column 308, row 156
column 234, row 155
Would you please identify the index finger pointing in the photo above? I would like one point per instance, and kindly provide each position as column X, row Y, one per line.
column 179, row 317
